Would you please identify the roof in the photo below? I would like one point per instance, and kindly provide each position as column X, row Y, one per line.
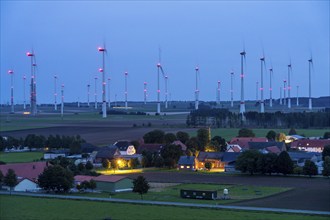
column 153, row 148
column 25, row 170
column 244, row 141
column 182, row 145
column 273, row 149
column 122, row 145
column 263, row 145
column 234, row 148
column 302, row 155
column 101, row 178
column 306, row 143
column 230, row 156
column 88, row 148
column 186, row 160
column 107, row 152
column 202, row 156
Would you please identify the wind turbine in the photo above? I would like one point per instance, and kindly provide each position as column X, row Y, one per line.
column 159, row 69
column 126, row 104
column 88, row 93
column 145, row 92
column 95, row 92
column 231, row 89
column 24, row 101
column 289, row 85
column 284, row 91
column 62, row 100
column 218, row 93
column 104, row 102
column 33, row 83
column 55, row 93
column 196, row 90
column 270, row 87
column 242, row 104
column 310, row 65
column 11, row 73
column 109, row 103
column 262, row 103
column 297, row 95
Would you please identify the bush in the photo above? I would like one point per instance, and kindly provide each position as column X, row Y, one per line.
column 297, row 170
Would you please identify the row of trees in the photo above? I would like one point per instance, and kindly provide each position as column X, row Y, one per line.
column 252, row 161
column 39, row 141
column 224, row 118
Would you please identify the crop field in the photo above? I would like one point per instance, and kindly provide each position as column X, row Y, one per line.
column 20, row 157
column 17, row 207
column 172, row 193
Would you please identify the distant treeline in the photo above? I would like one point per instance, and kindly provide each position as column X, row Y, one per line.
column 117, row 112
column 223, row 118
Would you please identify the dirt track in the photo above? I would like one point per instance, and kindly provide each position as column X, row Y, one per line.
column 307, row 193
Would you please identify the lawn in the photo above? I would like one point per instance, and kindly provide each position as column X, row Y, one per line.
column 18, row 207
column 172, row 193
column 20, row 157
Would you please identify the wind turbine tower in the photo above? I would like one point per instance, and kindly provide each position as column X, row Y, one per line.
column 281, row 101
column 289, row 85
column 126, row 105
column 297, row 95
column 270, row 87
column 284, row 91
column 11, row 73
column 196, row 91
column 62, row 100
column 257, row 91
column 242, row 104
column 218, row 93
column 231, row 89
column 310, row 64
column 33, row 97
column 24, row 101
column 88, row 93
column 166, row 91
column 145, row 92
column 262, row 103
column 55, row 93
column 95, row 92
column 104, row 102
column 158, row 89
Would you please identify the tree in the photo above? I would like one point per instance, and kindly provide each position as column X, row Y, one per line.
column 284, row 163
column 326, row 151
column 133, row 163
column 280, row 137
column 203, row 138
column 169, row 138
column 171, row 154
column 247, row 161
column 85, row 185
column 89, row 165
column 326, row 135
column 56, row 178
column 326, row 166
column 10, row 179
column 140, row 185
column 193, row 144
column 106, row 163
column 92, row 184
column 245, row 132
column 158, row 161
column 292, row 131
column 309, row 168
column 182, row 136
column 81, row 166
column 298, row 170
column 219, row 143
column 75, row 147
column 208, row 165
column 267, row 163
column 155, row 136
column 271, row 135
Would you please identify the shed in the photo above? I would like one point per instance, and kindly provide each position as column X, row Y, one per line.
column 186, row 163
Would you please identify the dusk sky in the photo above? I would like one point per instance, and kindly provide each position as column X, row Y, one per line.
column 211, row 34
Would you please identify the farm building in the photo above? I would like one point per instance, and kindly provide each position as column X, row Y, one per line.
column 187, row 163
column 108, row 183
column 310, row 145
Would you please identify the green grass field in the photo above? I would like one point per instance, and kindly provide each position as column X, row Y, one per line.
column 18, row 207
column 20, row 157
column 172, row 193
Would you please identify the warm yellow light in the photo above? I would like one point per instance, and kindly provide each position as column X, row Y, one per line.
column 26, row 113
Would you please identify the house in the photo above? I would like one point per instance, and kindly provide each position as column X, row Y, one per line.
column 55, row 154
column 267, row 147
column 229, row 159
column 27, row 174
column 125, row 147
column 187, row 163
column 109, row 153
column 108, row 183
column 233, row 148
column 299, row 158
column 213, row 157
column 315, row 145
column 243, row 142
column 152, row 148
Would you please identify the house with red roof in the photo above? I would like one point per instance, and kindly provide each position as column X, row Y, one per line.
column 243, row 142
column 27, row 174
column 315, row 145
column 107, row 183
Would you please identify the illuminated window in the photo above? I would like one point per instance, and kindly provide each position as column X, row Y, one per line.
column 181, row 167
column 188, row 167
